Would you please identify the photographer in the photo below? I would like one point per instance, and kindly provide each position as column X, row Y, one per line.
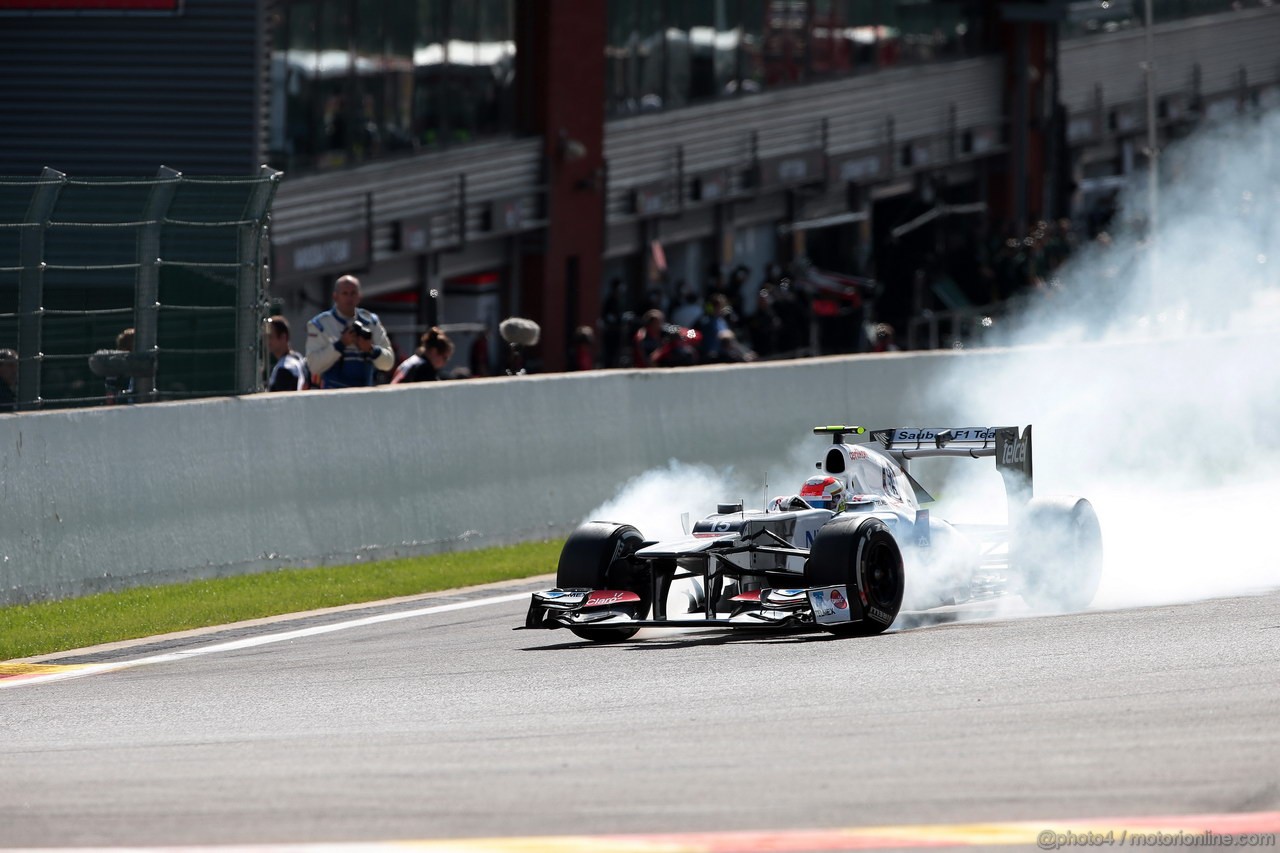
column 346, row 344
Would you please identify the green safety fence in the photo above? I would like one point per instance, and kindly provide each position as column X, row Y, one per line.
column 182, row 261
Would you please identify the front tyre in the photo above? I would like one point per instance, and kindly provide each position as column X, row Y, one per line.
column 860, row 553
column 1057, row 552
column 599, row 555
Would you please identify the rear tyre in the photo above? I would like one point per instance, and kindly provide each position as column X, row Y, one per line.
column 598, row 555
column 862, row 554
column 1057, row 552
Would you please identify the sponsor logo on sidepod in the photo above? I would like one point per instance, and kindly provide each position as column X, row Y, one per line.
column 838, row 600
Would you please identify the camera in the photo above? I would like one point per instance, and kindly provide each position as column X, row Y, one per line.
column 361, row 330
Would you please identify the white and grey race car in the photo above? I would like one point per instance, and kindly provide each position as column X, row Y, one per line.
column 844, row 568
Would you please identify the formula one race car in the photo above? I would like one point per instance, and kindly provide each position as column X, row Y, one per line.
column 840, row 556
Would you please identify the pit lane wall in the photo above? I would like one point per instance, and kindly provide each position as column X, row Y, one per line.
column 108, row 498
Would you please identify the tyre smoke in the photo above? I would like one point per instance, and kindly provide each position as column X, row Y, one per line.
column 654, row 501
column 1150, row 369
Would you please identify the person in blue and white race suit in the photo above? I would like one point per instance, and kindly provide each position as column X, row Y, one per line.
column 339, row 355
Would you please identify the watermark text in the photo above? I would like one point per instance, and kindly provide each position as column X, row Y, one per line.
column 1050, row 839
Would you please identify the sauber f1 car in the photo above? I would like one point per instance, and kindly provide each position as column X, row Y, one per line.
column 839, row 557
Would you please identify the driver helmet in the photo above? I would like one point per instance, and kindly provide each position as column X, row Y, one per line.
column 824, row 492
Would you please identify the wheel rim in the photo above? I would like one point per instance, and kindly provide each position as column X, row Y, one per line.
column 881, row 574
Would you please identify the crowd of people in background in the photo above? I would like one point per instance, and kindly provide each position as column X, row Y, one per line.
column 983, row 276
column 792, row 313
column 798, row 312
column 675, row 324
column 1007, row 264
column 708, row 324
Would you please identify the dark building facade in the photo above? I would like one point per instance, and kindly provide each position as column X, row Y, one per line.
column 123, row 87
column 474, row 160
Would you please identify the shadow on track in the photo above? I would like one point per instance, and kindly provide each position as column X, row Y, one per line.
column 680, row 641
column 692, row 638
column 710, row 637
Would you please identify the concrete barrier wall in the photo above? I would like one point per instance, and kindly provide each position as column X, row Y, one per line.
column 107, row 498
column 104, row 498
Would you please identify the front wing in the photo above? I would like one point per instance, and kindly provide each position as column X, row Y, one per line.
column 756, row 609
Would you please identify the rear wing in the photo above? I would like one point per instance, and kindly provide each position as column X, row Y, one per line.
column 1011, row 451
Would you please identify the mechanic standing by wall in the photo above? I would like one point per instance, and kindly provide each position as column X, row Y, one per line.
column 346, row 344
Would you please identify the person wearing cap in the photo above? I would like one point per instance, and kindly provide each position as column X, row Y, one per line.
column 8, row 380
column 347, row 344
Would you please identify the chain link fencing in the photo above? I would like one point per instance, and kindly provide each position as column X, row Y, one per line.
column 181, row 261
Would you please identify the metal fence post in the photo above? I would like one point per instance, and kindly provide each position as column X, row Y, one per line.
column 31, row 287
column 146, row 290
column 251, row 289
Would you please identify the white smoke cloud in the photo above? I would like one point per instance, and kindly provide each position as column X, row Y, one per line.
column 654, row 501
column 1152, row 377
column 1211, row 266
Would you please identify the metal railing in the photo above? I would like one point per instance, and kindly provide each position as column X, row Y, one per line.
column 182, row 261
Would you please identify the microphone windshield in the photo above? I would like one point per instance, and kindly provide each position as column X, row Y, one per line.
column 519, row 331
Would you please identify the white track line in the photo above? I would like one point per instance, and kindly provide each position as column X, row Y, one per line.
column 251, row 642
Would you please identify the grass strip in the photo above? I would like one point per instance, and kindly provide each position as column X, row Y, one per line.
column 36, row 629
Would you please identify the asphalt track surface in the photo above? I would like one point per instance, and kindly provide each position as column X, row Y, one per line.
column 449, row 725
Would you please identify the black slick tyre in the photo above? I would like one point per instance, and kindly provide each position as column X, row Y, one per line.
column 1056, row 554
column 598, row 555
column 859, row 552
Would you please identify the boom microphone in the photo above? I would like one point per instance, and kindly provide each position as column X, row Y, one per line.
column 519, row 331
